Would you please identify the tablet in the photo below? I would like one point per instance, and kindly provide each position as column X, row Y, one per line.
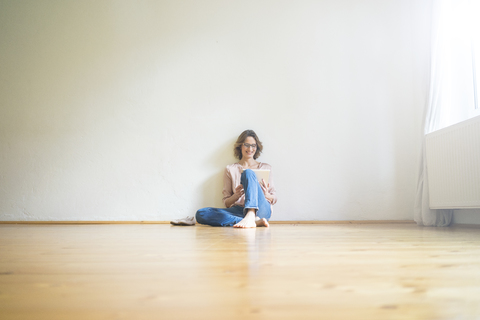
column 262, row 174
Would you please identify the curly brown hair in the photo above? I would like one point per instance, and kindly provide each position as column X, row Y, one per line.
column 237, row 149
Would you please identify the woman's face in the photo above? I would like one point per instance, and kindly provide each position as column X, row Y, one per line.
column 249, row 147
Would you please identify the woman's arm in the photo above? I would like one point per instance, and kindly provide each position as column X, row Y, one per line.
column 266, row 191
column 273, row 193
column 238, row 193
column 230, row 196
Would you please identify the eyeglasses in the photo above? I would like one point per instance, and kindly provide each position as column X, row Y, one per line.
column 246, row 145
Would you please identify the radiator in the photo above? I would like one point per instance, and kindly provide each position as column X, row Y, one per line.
column 453, row 165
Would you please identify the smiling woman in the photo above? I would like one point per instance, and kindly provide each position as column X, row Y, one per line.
column 248, row 201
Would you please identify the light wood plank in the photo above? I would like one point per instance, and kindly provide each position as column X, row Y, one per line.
column 154, row 271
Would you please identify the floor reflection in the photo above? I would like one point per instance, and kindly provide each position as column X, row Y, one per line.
column 233, row 261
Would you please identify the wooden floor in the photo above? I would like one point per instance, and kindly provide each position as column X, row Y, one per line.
column 285, row 272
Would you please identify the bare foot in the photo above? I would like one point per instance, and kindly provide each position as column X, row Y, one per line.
column 248, row 221
column 262, row 223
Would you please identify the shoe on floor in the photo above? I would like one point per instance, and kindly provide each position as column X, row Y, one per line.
column 187, row 221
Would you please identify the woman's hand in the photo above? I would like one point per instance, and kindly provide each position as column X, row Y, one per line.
column 235, row 196
column 239, row 191
column 265, row 188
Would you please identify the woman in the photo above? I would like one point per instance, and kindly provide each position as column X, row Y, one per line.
column 248, row 202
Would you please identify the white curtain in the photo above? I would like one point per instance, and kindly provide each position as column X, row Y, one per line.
column 451, row 93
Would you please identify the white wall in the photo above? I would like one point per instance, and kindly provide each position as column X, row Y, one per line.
column 127, row 110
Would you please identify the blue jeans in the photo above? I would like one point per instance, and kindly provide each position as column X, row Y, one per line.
column 227, row 217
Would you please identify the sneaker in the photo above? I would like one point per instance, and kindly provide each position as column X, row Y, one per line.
column 188, row 221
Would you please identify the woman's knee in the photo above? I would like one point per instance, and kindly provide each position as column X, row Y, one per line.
column 249, row 174
column 201, row 214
